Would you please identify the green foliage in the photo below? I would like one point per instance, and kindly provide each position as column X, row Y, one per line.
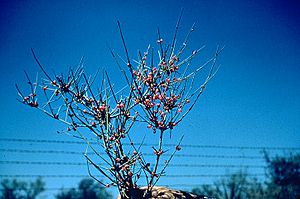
column 283, row 182
column 237, row 186
column 87, row 189
column 284, row 175
column 15, row 189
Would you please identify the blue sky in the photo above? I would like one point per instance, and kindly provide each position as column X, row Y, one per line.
column 253, row 101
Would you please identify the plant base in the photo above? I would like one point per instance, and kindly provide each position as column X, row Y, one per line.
column 163, row 193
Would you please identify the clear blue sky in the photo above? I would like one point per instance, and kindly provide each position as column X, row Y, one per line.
column 253, row 101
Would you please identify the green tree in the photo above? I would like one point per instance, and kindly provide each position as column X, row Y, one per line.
column 67, row 194
column 15, row 189
column 284, row 177
column 283, row 182
column 87, row 189
column 237, row 186
column 255, row 189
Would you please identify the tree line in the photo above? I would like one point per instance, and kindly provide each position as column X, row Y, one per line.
column 282, row 182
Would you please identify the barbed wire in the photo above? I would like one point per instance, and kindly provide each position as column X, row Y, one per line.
column 187, row 175
column 145, row 154
column 87, row 176
column 148, row 144
column 164, row 185
column 170, row 165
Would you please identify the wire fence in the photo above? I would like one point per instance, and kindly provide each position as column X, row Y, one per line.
column 55, row 189
column 149, row 144
column 102, row 176
column 100, row 164
column 244, row 157
column 145, row 154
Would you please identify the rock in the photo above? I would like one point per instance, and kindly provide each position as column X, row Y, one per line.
column 165, row 193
